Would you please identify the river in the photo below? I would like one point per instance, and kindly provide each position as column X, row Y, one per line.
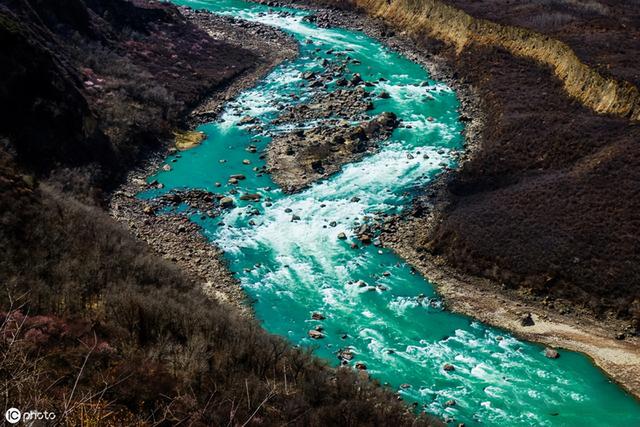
column 373, row 304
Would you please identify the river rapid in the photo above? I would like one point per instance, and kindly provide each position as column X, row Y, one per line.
column 375, row 310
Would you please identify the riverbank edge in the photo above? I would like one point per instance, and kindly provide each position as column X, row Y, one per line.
column 175, row 237
column 482, row 298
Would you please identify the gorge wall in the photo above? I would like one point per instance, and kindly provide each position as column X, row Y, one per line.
column 432, row 18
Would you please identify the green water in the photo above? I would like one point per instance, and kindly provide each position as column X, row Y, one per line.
column 291, row 269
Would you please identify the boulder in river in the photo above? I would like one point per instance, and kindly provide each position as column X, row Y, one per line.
column 361, row 366
column 342, row 236
column 448, row 367
column 246, row 120
column 345, row 354
column 226, row 202
column 317, row 316
column 316, row 335
column 253, row 197
column 551, row 353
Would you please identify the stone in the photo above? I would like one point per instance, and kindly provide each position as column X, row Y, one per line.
column 316, row 335
column 295, row 218
column 246, row 120
column 527, row 320
column 450, row 403
column 246, row 162
column 384, row 95
column 226, row 202
column 366, row 239
column 253, row 197
column 342, row 236
column 449, row 367
column 238, row 176
column 333, row 224
column 405, row 386
column 345, row 355
column 551, row 353
column 233, row 181
column 317, row 316
column 361, row 366
column 166, row 168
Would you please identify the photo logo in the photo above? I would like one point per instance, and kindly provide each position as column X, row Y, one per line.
column 12, row 415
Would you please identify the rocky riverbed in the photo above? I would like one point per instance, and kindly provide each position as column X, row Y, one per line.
column 174, row 236
column 560, row 322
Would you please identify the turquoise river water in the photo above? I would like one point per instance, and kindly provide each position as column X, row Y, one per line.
column 395, row 324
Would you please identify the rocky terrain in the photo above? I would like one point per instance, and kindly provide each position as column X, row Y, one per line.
column 175, row 237
column 541, row 214
column 94, row 325
column 545, row 202
column 297, row 158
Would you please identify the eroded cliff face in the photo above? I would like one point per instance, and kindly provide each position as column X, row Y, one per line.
column 419, row 18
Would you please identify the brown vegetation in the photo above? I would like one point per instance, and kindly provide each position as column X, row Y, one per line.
column 111, row 77
column 93, row 325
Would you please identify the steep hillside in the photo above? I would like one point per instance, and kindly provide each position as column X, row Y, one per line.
column 109, row 78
